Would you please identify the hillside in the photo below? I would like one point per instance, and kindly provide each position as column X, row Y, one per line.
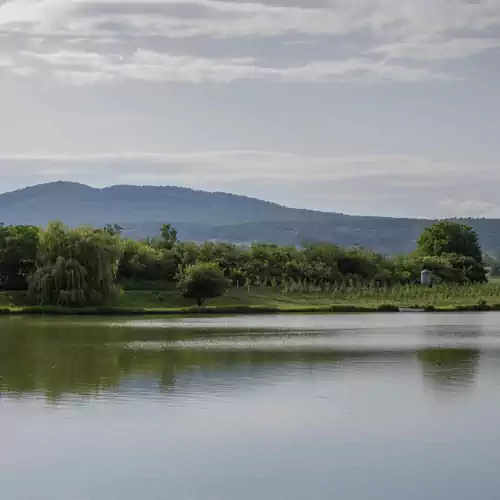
column 79, row 204
column 203, row 216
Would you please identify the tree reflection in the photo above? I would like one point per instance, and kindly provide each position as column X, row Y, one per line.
column 450, row 369
column 62, row 361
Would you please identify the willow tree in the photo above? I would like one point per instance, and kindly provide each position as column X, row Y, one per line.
column 75, row 267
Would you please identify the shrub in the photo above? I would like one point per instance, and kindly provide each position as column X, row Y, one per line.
column 202, row 281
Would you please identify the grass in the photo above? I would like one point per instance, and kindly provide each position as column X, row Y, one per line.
column 364, row 298
column 296, row 298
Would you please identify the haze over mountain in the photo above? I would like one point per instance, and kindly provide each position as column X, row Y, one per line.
column 200, row 216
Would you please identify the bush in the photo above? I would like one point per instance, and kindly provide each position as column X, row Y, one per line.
column 387, row 308
column 202, row 281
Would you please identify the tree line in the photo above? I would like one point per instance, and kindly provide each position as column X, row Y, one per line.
column 85, row 266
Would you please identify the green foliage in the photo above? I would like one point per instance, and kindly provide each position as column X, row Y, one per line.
column 75, row 267
column 472, row 269
column 114, row 229
column 141, row 261
column 495, row 269
column 18, row 250
column 202, row 281
column 80, row 267
column 458, row 250
column 448, row 237
column 168, row 237
column 492, row 263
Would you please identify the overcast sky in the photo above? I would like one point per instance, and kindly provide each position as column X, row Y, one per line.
column 381, row 107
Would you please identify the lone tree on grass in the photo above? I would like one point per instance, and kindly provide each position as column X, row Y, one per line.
column 202, row 281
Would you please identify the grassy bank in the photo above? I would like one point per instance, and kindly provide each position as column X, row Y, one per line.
column 170, row 303
column 330, row 299
column 258, row 300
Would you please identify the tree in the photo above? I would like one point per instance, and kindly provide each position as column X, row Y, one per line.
column 18, row 250
column 493, row 264
column 450, row 238
column 202, row 281
column 75, row 267
column 168, row 237
column 142, row 262
column 113, row 229
column 457, row 245
column 472, row 269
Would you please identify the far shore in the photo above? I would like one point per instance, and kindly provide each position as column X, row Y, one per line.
column 168, row 302
column 227, row 311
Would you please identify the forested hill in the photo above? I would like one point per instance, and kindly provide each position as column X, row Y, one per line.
column 80, row 204
column 203, row 216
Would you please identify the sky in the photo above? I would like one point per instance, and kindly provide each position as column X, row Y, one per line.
column 375, row 107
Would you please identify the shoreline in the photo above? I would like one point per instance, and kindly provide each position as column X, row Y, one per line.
column 236, row 310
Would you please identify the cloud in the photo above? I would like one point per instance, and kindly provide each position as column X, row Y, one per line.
column 379, row 40
column 353, row 184
column 185, row 18
column 82, row 78
column 9, row 65
column 220, row 167
column 34, row 12
column 243, row 166
column 437, row 48
column 6, row 61
column 22, row 70
column 180, row 18
column 451, row 207
column 82, row 68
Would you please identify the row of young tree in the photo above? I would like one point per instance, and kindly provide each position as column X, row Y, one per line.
column 83, row 266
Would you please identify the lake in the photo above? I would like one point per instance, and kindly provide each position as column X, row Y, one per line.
column 298, row 407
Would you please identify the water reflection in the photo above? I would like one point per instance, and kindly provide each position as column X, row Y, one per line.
column 62, row 359
column 92, row 410
column 57, row 364
column 450, row 369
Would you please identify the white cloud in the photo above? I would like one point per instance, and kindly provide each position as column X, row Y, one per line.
column 378, row 185
column 210, row 17
column 71, row 58
column 451, row 207
column 5, row 61
column 22, row 70
column 256, row 165
column 420, row 36
column 82, row 78
column 248, row 165
column 41, row 13
column 89, row 67
column 437, row 48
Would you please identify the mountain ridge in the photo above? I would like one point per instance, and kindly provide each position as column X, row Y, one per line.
column 203, row 215
column 185, row 204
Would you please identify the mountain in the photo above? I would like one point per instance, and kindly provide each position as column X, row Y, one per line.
column 200, row 216
column 79, row 204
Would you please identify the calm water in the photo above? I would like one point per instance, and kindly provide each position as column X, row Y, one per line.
column 389, row 407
